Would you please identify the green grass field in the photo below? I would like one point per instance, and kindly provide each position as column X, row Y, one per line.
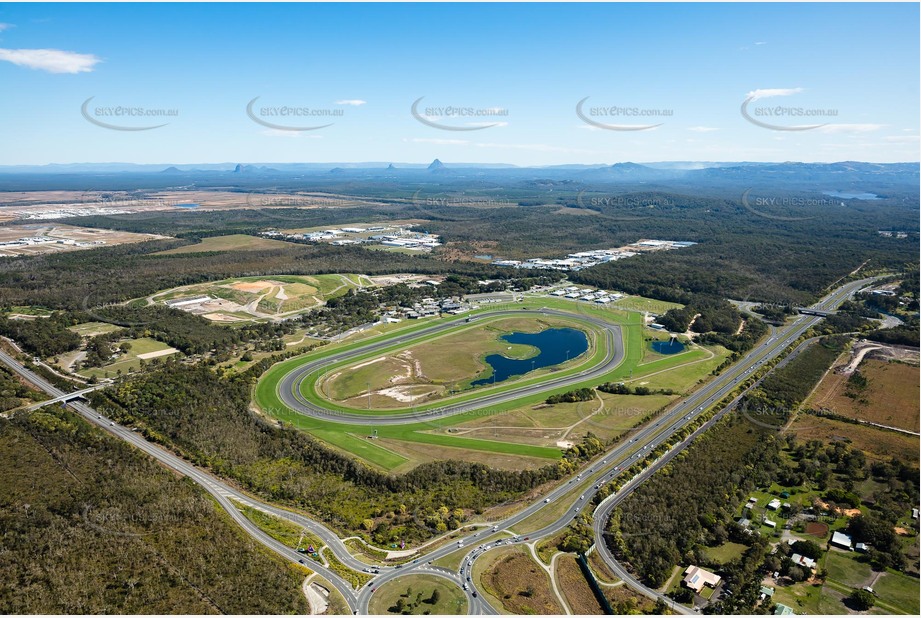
column 231, row 242
column 638, row 303
column 450, row 598
column 91, row 329
column 130, row 361
column 727, row 552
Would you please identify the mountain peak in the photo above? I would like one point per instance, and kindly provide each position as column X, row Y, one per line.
column 436, row 165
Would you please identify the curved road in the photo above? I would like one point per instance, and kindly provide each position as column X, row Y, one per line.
column 289, row 387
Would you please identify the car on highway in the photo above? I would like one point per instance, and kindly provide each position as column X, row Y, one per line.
column 546, row 499
column 474, row 594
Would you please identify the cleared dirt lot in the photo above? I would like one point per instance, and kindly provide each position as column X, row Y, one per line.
column 880, row 392
column 875, row 443
column 57, row 238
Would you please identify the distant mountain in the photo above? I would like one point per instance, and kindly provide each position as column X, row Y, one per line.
column 436, row 165
column 633, row 172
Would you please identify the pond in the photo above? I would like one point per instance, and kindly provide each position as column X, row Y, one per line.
column 672, row 346
column 555, row 345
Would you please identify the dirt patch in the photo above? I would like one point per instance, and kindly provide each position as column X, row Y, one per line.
column 251, row 286
column 221, row 317
column 827, row 507
column 817, row 529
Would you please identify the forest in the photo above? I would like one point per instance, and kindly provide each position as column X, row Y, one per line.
column 92, row 526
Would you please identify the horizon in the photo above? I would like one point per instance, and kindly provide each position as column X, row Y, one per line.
column 465, row 164
column 757, row 83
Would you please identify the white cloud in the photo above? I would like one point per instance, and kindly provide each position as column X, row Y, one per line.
column 353, row 102
column 764, row 93
column 487, row 124
column 850, row 128
column 901, row 139
column 439, row 141
column 760, row 42
column 535, row 147
column 4, row 26
column 281, row 133
column 50, row 60
column 703, row 129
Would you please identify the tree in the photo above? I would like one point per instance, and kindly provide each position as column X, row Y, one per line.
column 436, row 596
column 797, row 573
column 862, row 600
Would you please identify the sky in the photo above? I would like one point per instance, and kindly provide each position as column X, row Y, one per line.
column 498, row 83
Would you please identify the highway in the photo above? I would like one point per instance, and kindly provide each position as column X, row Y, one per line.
column 289, row 387
column 577, row 492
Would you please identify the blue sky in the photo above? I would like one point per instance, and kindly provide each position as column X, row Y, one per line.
column 693, row 65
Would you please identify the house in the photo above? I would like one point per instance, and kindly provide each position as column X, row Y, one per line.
column 774, row 504
column 783, row 610
column 862, row 547
column 770, row 523
column 766, row 592
column 744, row 522
column 803, row 561
column 696, row 578
column 842, row 541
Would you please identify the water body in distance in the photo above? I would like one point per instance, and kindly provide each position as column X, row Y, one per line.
column 672, row 346
column 556, row 345
column 843, row 195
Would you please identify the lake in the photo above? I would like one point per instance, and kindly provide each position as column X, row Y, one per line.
column 672, row 346
column 556, row 345
column 851, row 196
